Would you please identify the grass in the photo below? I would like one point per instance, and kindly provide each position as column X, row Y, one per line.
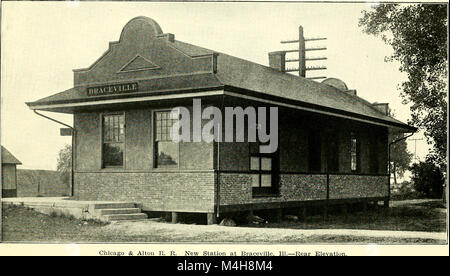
column 25, row 225
column 432, row 204
column 393, row 219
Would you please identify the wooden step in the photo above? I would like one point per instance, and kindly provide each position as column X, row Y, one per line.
column 121, row 217
column 120, row 211
column 113, row 205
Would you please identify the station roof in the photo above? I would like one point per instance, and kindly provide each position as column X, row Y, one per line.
column 161, row 66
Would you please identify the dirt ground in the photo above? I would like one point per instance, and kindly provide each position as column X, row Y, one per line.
column 411, row 215
column 413, row 224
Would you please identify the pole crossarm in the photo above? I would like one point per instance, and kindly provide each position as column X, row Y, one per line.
column 315, row 38
column 316, row 58
column 301, row 51
column 316, row 48
column 316, row 68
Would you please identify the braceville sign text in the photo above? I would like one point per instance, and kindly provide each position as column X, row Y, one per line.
column 112, row 89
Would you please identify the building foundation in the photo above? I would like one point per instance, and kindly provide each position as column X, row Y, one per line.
column 174, row 217
column 211, row 219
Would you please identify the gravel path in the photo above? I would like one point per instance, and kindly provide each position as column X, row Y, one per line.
column 190, row 231
column 411, row 202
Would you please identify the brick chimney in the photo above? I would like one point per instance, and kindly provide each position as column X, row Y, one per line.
column 277, row 60
column 382, row 107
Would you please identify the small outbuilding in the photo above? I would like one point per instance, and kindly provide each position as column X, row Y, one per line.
column 9, row 174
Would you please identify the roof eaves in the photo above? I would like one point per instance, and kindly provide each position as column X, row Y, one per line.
column 393, row 122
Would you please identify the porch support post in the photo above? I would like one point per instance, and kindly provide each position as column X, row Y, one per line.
column 278, row 214
column 211, row 219
column 251, row 213
column 325, row 211
column 364, row 206
column 302, row 213
column 344, row 209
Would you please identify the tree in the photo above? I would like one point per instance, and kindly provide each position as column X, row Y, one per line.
column 428, row 179
column 400, row 156
column 64, row 163
column 418, row 36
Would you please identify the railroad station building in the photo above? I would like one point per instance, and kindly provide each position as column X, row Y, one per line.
column 332, row 145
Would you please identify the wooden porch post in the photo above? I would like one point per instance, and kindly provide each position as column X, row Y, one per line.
column 302, row 213
column 278, row 215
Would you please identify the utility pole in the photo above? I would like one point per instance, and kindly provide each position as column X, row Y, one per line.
column 302, row 59
column 415, row 147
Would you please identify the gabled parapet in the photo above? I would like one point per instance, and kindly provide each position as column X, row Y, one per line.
column 142, row 52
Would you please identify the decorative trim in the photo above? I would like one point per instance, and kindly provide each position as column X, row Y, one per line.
column 153, row 66
column 115, row 43
column 149, row 171
column 143, row 79
column 131, row 100
column 304, row 173
column 192, row 57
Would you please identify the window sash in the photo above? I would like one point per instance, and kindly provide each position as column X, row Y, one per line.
column 254, row 163
column 354, row 153
column 163, row 139
column 163, row 126
column 261, row 164
column 261, row 171
column 113, row 154
column 113, row 128
column 266, row 180
column 113, row 140
column 262, row 180
column 354, row 162
column 167, row 154
column 266, row 164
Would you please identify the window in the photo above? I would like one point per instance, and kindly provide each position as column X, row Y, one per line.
column 354, row 153
column 166, row 150
column 113, row 140
column 262, row 180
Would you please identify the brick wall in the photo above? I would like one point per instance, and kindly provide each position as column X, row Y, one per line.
column 236, row 188
column 358, row 186
column 139, row 146
column 164, row 191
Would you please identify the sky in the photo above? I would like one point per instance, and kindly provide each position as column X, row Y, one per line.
column 41, row 43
